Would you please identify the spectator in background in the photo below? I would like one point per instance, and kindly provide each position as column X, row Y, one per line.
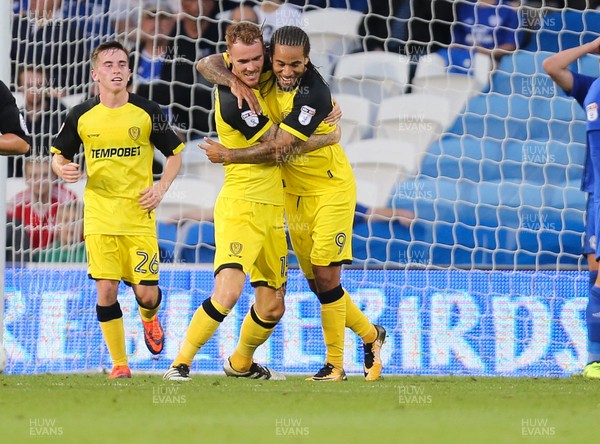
column 488, row 27
column 44, row 114
column 384, row 27
column 183, row 90
column 148, row 60
column 273, row 14
column 35, row 208
column 68, row 245
column 356, row 5
column 407, row 26
column 42, row 36
column 429, row 27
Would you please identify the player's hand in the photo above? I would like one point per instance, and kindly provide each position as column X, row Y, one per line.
column 245, row 94
column 215, row 152
column 151, row 197
column 70, row 172
column 335, row 115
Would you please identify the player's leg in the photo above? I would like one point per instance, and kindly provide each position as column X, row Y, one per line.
column 268, row 275
column 315, row 250
column 592, row 368
column 143, row 275
column 257, row 327
column 229, row 283
column 104, row 267
column 230, row 275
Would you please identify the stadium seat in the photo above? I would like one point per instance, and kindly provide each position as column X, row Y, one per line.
column 457, row 88
column 373, row 75
column 14, row 185
column 378, row 164
column 196, row 165
column 414, row 118
column 72, row 100
column 333, row 32
column 198, row 242
column 167, row 241
column 19, row 99
column 186, row 194
column 356, row 117
column 78, row 187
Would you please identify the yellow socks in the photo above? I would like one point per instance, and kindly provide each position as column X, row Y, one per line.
column 111, row 323
column 254, row 332
column 333, row 321
column 203, row 325
column 147, row 314
column 358, row 322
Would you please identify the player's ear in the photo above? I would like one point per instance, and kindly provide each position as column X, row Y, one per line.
column 94, row 75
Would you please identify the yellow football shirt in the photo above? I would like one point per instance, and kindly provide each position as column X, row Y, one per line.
column 301, row 113
column 241, row 128
column 118, row 145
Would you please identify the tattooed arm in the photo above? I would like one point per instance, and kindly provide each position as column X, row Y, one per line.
column 214, row 70
column 276, row 146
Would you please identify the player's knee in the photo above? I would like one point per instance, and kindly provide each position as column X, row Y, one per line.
column 226, row 296
column 271, row 310
column 147, row 296
column 271, row 313
column 326, row 278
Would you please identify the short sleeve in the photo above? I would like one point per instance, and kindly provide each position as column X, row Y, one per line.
column 11, row 121
column 312, row 103
column 250, row 124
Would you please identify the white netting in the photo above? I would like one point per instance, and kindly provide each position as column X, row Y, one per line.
column 488, row 159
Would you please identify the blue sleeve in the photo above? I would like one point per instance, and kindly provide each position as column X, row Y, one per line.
column 459, row 28
column 509, row 23
column 581, row 86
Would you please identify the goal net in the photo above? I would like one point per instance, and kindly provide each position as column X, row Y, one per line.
column 468, row 234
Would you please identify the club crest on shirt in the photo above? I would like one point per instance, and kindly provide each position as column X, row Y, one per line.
column 306, row 115
column 235, row 248
column 134, row 132
column 592, row 112
column 250, row 118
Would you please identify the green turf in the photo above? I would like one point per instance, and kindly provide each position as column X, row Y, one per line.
column 215, row 409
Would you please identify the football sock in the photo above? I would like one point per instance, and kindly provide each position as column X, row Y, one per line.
column 254, row 332
column 358, row 322
column 333, row 321
column 111, row 323
column 147, row 314
column 593, row 323
column 203, row 325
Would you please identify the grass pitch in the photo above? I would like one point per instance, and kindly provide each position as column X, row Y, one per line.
column 216, row 409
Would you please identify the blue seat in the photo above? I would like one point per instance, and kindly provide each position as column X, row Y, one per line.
column 167, row 240
column 198, row 242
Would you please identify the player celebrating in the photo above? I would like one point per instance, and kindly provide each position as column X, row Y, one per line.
column 249, row 223
column 119, row 131
column 586, row 90
column 320, row 192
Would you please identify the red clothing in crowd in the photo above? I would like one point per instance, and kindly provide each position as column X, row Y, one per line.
column 39, row 218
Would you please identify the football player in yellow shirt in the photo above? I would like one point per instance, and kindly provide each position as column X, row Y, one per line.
column 119, row 131
column 249, row 223
column 320, row 192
